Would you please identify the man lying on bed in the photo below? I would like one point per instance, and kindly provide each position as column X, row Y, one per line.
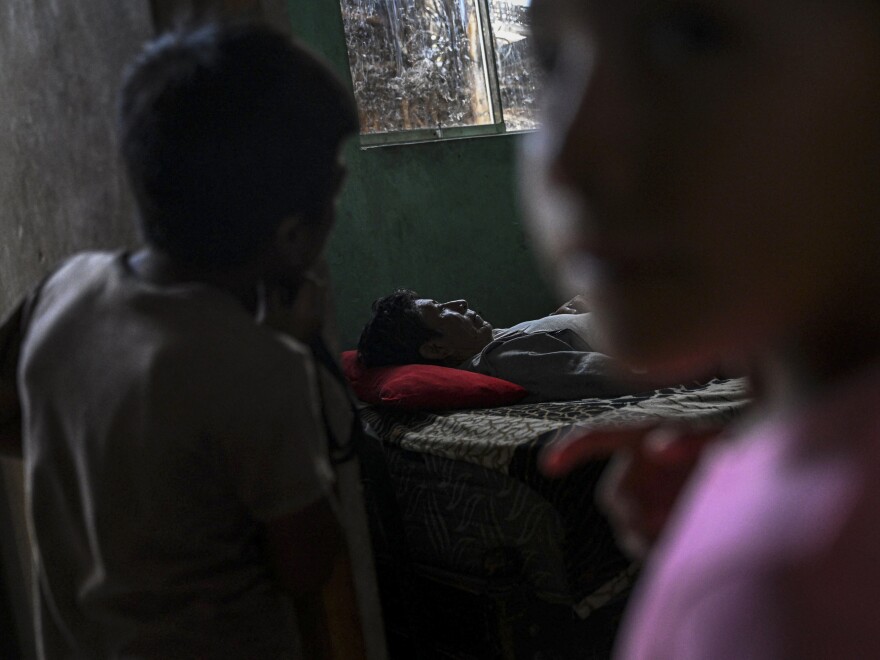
column 555, row 358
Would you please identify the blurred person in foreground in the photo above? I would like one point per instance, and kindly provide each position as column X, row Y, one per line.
column 708, row 173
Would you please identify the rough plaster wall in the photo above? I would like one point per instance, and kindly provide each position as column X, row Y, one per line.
column 60, row 185
column 61, row 189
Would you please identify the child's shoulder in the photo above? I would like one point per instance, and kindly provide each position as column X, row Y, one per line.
column 83, row 265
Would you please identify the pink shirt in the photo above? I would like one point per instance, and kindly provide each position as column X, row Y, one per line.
column 775, row 549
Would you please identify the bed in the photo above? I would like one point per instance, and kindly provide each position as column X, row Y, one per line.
column 466, row 508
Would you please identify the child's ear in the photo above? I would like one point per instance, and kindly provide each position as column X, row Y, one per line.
column 434, row 350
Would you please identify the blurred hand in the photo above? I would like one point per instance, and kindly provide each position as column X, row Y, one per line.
column 298, row 313
column 577, row 305
column 649, row 467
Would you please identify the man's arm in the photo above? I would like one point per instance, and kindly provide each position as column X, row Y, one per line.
column 577, row 305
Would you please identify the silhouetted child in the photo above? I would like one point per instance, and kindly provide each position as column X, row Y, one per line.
column 176, row 489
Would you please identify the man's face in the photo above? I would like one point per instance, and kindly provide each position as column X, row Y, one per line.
column 707, row 169
column 463, row 333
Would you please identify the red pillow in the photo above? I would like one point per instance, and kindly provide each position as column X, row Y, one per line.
column 427, row 386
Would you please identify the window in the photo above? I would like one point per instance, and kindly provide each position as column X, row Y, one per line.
column 426, row 69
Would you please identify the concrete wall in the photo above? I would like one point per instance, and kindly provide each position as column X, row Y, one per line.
column 61, row 189
column 60, row 185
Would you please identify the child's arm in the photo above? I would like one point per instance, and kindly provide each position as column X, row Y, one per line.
column 307, row 549
column 329, row 620
column 308, row 555
column 11, row 330
column 577, row 305
column 302, row 547
column 10, row 423
column 304, row 313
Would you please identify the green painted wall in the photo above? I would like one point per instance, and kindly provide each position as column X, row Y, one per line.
column 438, row 217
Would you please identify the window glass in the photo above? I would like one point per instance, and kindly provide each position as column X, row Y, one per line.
column 417, row 64
column 433, row 65
column 516, row 70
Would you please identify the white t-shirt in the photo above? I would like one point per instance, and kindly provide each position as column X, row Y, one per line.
column 162, row 425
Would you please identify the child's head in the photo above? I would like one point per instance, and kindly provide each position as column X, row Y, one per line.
column 227, row 130
column 710, row 170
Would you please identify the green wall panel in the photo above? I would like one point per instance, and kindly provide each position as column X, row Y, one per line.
column 438, row 217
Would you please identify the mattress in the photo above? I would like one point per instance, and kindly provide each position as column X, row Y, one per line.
column 473, row 503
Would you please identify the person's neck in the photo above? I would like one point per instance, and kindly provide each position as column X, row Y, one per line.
column 161, row 269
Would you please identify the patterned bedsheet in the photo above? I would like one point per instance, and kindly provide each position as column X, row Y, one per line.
column 490, row 437
column 474, row 504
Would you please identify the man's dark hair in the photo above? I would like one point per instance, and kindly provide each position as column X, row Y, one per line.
column 227, row 129
column 395, row 333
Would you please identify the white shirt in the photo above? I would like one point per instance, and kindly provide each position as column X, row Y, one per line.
column 162, row 425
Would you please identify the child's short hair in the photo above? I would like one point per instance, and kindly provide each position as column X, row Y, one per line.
column 225, row 131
